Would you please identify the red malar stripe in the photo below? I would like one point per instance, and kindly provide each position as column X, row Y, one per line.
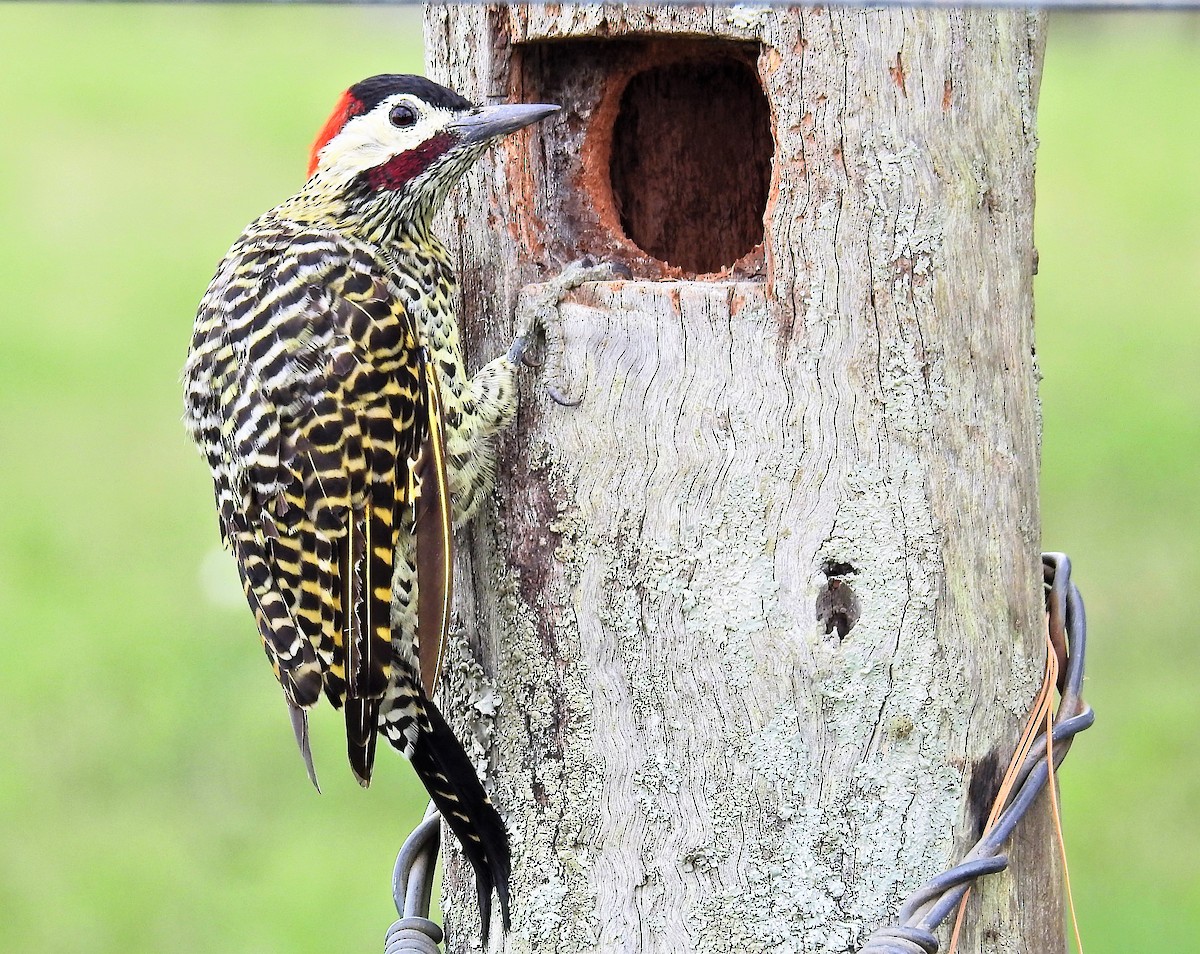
column 401, row 169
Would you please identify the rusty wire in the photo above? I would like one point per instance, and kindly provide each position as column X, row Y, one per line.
column 913, row 930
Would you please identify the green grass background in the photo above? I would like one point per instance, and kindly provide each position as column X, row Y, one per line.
column 150, row 796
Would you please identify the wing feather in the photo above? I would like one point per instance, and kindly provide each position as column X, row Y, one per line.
column 311, row 397
column 434, row 541
column 306, row 391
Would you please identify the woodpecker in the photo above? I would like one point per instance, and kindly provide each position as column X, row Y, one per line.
column 325, row 387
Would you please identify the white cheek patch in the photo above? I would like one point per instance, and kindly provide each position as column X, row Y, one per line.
column 369, row 141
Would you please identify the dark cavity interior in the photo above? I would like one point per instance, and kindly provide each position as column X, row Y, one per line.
column 691, row 162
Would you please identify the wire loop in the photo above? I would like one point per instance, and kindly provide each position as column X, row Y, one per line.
column 930, row 904
column 412, row 890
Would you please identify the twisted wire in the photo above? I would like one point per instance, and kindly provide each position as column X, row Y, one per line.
column 412, row 890
column 929, row 905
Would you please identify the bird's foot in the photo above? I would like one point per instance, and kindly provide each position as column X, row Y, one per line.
column 538, row 311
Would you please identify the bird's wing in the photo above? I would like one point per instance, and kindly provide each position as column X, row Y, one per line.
column 307, row 388
column 434, row 550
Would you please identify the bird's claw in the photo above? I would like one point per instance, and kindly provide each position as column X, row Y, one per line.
column 588, row 269
column 531, row 362
column 516, row 352
column 538, row 308
column 558, row 398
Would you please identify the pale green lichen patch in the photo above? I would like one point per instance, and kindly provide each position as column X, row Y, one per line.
column 464, row 679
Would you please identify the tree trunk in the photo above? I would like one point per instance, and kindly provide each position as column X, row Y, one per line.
column 762, row 616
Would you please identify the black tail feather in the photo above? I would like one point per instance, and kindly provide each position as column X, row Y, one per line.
column 300, row 727
column 448, row 775
column 362, row 717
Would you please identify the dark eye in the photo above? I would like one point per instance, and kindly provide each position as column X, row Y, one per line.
column 402, row 116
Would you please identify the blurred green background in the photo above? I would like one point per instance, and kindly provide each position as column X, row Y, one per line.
column 150, row 796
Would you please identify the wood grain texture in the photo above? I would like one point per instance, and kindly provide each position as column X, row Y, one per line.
column 686, row 759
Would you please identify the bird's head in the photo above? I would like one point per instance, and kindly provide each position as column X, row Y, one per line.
column 407, row 140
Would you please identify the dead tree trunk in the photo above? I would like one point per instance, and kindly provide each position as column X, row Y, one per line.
column 762, row 611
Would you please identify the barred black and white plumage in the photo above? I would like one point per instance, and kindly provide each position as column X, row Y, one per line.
column 325, row 387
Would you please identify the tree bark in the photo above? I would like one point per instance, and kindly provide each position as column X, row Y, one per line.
column 761, row 617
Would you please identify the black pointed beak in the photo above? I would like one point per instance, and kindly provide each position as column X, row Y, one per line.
column 488, row 122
